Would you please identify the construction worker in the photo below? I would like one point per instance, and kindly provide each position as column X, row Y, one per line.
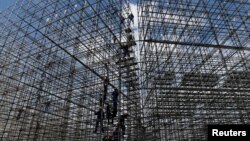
column 20, row 111
column 114, row 39
column 37, row 125
column 106, row 82
column 121, row 123
column 122, row 19
column 115, row 101
column 47, row 105
column 116, row 134
column 108, row 114
column 130, row 42
column 125, row 50
column 131, row 17
column 101, row 102
column 38, row 98
column 115, row 10
column 128, row 30
column 100, row 117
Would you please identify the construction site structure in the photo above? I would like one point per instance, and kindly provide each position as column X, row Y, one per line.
column 61, row 60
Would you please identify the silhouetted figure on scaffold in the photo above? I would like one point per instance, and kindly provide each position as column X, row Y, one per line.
column 20, row 111
column 121, row 123
column 109, row 114
column 99, row 119
column 115, row 95
column 106, row 82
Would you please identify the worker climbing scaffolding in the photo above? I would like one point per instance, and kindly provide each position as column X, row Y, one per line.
column 120, row 129
column 112, row 112
column 38, row 98
column 116, row 134
column 105, row 88
column 130, row 42
column 130, row 37
column 99, row 120
column 115, row 95
column 109, row 114
column 47, row 105
column 131, row 17
column 122, row 19
column 121, row 123
column 106, row 82
column 20, row 111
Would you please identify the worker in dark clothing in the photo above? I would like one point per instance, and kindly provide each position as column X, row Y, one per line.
column 37, row 125
column 130, row 43
column 114, row 39
column 106, row 82
column 116, row 134
column 20, row 111
column 115, row 10
column 122, row 19
column 100, row 117
column 38, row 98
column 128, row 30
column 125, row 50
column 121, row 123
column 108, row 114
column 131, row 40
column 101, row 102
column 47, row 105
column 115, row 101
column 131, row 17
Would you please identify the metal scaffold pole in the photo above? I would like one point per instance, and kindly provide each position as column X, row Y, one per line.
column 123, row 70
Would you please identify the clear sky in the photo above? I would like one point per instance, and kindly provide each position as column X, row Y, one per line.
column 6, row 3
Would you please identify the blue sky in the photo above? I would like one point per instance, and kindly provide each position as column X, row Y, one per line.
column 133, row 1
column 6, row 3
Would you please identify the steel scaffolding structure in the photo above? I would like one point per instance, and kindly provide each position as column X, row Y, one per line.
column 195, row 66
column 62, row 60
column 54, row 58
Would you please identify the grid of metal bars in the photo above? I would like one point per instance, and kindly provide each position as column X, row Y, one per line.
column 192, row 68
column 54, row 58
column 195, row 66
